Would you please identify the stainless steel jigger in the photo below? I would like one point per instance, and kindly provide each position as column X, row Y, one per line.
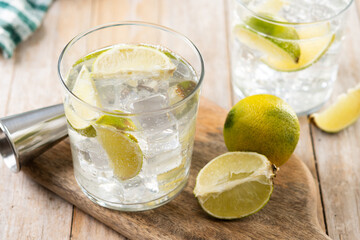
column 26, row 135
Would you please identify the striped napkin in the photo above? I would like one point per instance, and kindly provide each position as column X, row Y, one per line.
column 18, row 20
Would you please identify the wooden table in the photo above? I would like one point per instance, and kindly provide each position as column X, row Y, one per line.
column 29, row 80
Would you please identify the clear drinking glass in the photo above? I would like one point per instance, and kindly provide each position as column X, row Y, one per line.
column 132, row 132
column 288, row 48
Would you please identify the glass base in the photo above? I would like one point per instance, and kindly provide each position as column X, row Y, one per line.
column 136, row 207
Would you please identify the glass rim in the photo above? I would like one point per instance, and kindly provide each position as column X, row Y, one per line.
column 132, row 23
column 340, row 12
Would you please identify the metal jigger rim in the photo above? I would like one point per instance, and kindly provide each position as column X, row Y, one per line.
column 8, row 153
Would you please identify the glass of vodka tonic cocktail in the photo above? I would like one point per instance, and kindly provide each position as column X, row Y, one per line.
column 131, row 100
column 288, row 48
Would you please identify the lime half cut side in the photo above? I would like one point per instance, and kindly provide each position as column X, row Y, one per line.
column 130, row 60
column 235, row 184
column 78, row 114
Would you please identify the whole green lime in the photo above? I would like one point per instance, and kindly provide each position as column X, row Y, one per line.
column 264, row 124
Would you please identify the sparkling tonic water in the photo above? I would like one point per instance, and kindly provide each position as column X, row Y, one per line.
column 162, row 127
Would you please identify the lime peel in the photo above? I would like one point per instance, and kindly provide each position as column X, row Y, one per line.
column 120, row 123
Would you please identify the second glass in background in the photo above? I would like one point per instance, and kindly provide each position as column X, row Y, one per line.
column 287, row 48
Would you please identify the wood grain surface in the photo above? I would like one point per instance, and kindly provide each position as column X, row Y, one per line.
column 290, row 212
column 29, row 80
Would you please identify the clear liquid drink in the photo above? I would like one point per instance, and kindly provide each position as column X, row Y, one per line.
column 131, row 111
column 287, row 48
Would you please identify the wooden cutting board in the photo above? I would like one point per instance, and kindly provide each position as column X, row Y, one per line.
column 290, row 213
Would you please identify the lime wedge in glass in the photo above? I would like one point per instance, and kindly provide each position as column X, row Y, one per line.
column 77, row 113
column 272, row 40
column 123, row 150
column 120, row 123
column 314, row 43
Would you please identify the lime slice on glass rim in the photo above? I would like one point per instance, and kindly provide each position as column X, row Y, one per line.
column 78, row 115
column 235, row 184
column 132, row 60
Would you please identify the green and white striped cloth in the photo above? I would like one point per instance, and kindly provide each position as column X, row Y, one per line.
column 18, row 20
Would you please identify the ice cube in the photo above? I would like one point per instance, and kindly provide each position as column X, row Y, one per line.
column 109, row 90
column 165, row 161
column 90, row 152
column 183, row 71
column 163, row 140
column 149, row 103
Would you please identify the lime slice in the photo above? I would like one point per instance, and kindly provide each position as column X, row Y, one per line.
column 344, row 112
column 235, row 184
column 314, row 42
column 272, row 40
column 128, row 60
column 78, row 124
column 78, row 114
column 120, row 123
column 125, row 155
column 180, row 91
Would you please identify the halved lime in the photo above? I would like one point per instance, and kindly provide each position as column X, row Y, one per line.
column 235, row 184
column 314, row 43
column 344, row 112
column 128, row 60
column 123, row 150
column 77, row 113
column 271, row 39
